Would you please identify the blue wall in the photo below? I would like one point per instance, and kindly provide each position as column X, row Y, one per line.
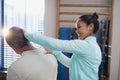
column 65, row 34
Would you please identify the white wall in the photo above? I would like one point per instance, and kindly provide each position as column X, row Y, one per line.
column 50, row 18
column 114, row 70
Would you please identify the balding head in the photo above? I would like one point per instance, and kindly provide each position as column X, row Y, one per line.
column 15, row 37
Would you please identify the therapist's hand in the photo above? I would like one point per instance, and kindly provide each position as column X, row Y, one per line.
column 48, row 51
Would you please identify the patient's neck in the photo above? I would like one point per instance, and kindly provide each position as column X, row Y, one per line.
column 26, row 48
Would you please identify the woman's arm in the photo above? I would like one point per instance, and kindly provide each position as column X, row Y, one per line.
column 71, row 46
column 62, row 58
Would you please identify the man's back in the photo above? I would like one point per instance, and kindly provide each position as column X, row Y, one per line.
column 33, row 65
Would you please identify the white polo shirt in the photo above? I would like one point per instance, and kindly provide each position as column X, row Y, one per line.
column 33, row 65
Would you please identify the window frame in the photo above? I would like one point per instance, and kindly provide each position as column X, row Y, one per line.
column 2, row 38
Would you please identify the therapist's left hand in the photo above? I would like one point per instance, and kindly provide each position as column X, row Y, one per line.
column 48, row 51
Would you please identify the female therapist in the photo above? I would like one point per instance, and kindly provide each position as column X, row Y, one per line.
column 86, row 58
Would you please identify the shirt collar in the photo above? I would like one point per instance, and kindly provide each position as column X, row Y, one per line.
column 34, row 52
column 91, row 38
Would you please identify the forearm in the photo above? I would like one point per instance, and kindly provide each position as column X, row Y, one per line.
column 62, row 58
column 50, row 43
column 70, row 46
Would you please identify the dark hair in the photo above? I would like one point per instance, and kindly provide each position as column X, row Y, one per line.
column 16, row 37
column 88, row 19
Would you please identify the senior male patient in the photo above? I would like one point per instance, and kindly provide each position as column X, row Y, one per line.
column 34, row 64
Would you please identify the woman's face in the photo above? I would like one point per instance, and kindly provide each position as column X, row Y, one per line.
column 84, row 30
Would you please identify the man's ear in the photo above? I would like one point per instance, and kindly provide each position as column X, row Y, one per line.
column 15, row 49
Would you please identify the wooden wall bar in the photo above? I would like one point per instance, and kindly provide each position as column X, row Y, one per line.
column 82, row 13
column 86, row 5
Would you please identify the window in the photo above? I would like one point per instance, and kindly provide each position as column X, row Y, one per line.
column 1, row 40
column 28, row 14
